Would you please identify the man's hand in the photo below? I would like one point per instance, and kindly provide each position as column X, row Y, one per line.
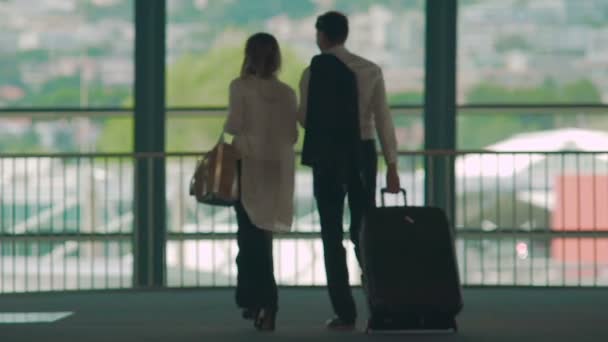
column 392, row 179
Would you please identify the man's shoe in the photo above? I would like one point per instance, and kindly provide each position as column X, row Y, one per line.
column 337, row 323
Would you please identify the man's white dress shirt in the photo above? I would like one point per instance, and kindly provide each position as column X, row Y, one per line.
column 374, row 112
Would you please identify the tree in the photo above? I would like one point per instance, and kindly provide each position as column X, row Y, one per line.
column 67, row 91
column 407, row 123
column 223, row 13
column 9, row 74
column 202, row 81
column 407, row 98
column 581, row 91
column 116, row 135
column 498, row 126
column 511, row 42
column 120, row 10
column 350, row 6
column 26, row 142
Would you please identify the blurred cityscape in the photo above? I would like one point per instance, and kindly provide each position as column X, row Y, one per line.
column 512, row 42
column 79, row 54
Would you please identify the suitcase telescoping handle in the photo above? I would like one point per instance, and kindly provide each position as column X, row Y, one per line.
column 384, row 191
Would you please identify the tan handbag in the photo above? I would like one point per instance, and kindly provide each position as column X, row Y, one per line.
column 215, row 180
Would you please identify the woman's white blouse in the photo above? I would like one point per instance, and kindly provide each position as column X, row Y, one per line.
column 262, row 118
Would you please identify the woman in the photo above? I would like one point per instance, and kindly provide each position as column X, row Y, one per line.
column 262, row 118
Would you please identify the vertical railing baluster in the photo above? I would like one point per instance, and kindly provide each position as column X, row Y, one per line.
column 578, row 216
column 121, row 222
column 547, row 187
column 465, row 219
column 180, row 243
column 563, row 227
column 296, row 229
column 14, row 223
column 514, row 221
column 79, row 243
column 413, row 160
column 26, row 215
column 530, row 249
column 150, row 221
column 38, row 223
column 229, row 258
column 196, row 244
column 296, row 259
column 52, row 220
column 92, row 200
column 123, row 249
column 213, row 260
column 595, row 214
column 481, row 220
column 2, row 226
column 65, row 228
column 279, row 274
column 106, row 219
column 604, row 227
column 499, row 226
column 315, row 220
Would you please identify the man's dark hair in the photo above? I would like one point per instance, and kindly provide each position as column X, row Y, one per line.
column 334, row 25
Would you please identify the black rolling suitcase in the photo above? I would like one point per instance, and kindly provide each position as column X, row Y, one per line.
column 410, row 274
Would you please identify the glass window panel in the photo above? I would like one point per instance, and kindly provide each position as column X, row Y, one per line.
column 205, row 41
column 69, row 53
column 533, row 51
column 206, row 38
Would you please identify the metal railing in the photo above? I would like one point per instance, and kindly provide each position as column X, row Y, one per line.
column 66, row 220
column 521, row 219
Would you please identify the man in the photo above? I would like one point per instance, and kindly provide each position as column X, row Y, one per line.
column 343, row 100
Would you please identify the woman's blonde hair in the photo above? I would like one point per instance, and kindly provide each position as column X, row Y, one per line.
column 262, row 56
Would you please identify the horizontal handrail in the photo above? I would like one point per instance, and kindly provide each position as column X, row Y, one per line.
column 299, row 235
column 219, row 111
column 157, row 155
column 131, row 109
column 533, row 106
column 61, row 236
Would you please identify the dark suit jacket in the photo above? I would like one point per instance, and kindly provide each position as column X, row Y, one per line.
column 332, row 135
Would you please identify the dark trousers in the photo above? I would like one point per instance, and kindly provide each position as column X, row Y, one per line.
column 330, row 190
column 256, row 286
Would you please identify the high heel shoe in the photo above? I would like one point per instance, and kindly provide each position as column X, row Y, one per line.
column 265, row 320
